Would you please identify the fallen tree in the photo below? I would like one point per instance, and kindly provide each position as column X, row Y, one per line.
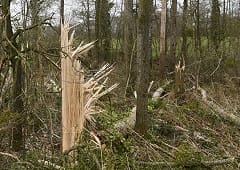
column 226, row 115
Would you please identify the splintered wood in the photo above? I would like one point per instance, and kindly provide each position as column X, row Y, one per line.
column 72, row 93
column 79, row 96
column 179, row 78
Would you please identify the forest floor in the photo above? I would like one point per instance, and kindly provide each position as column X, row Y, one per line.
column 192, row 131
column 189, row 135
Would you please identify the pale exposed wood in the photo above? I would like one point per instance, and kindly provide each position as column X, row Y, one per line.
column 222, row 112
column 50, row 164
column 79, row 97
column 179, row 78
column 72, row 93
column 10, row 155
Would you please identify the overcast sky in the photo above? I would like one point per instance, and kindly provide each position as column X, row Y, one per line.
column 71, row 5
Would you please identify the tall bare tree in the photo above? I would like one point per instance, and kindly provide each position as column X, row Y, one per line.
column 103, row 30
column 163, row 38
column 12, row 50
column 173, row 39
column 62, row 11
column 184, row 25
column 1, row 19
column 88, row 17
column 197, row 29
column 143, row 63
column 129, row 43
column 197, row 40
column 35, row 9
column 215, row 24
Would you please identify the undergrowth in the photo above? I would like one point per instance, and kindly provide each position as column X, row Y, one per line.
column 180, row 137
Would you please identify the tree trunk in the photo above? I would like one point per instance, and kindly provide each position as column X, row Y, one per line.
column 61, row 12
column 198, row 45
column 17, row 139
column 215, row 24
column 173, row 40
column 224, row 22
column 88, row 21
column 35, row 7
column 72, row 93
column 184, row 34
column 163, row 39
column 197, row 32
column 128, row 31
column 143, row 64
column 18, row 107
column 129, row 57
column 103, row 30
column 97, row 27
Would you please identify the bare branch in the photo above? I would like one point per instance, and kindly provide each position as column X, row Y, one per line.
column 10, row 155
column 20, row 30
column 201, row 163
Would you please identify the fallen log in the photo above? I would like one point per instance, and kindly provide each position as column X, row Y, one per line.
column 226, row 115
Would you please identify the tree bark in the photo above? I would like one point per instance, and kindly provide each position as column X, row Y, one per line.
column 143, row 64
column 35, row 35
column 215, row 24
column 103, row 30
column 184, row 35
column 128, row 45
column 97, row 27
column 88, row 21
column 197, row 40
column 163, row 39
column 17, row 106
column 173, row 40
column 197, row 32
column 61, row 12
column 128, row 31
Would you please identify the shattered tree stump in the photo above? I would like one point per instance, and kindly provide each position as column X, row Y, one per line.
column 179, row 80
column 72, row 93
column 79, row 96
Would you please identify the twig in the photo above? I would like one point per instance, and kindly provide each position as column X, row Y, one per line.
column 130, row 68
column 155, row 146
column 10, row 155
column 49, row 164
column 205, row 163
column 219, row 63
column 4, row 128
column 19, row 31
column 220, row 162
column 2, row 63
column 163, row 164
column 52, row 62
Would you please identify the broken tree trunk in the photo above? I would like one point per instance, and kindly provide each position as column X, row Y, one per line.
column 72, row 93
column 79, row 96
column 179, row 79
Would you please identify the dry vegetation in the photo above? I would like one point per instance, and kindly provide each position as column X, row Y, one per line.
column 183, row 134
column 194, row 124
